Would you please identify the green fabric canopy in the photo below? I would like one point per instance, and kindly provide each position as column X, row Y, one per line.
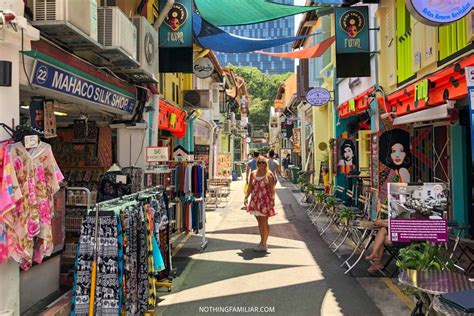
column 242, row 12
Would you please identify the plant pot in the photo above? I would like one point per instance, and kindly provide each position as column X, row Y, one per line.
column 413, row 276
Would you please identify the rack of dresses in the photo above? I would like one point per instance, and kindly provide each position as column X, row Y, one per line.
column 122, row 255
column 188, row 179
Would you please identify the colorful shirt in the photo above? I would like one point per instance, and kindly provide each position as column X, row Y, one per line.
column 261, row 203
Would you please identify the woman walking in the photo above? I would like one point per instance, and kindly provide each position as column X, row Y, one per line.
column 262, row 203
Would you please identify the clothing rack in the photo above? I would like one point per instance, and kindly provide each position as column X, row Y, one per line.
column 204, row 240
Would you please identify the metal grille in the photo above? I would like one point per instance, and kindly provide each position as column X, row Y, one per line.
column 45, row 10
column 104, row 25
column 431, row 154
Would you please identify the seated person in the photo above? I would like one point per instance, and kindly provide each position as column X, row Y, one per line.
column 381, row 239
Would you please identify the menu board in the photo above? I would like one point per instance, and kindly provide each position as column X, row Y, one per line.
column 224, row 165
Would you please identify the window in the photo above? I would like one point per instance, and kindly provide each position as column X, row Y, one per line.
column 404, row 49
column 452, row 38
column 364, row 150
column 173, row 90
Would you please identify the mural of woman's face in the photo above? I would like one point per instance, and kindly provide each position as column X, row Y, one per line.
column 348, row 153
column 398, row 154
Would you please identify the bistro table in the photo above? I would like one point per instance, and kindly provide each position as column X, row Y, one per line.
column 445, row 309
column 433, row 283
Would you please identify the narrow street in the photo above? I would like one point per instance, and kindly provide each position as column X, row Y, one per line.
column 298, row 276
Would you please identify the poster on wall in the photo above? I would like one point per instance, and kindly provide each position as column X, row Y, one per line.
column 395, row 159
column 224, row 165
column 297, row 140
column 201, row 152
column 347, row 155
column 416, row 212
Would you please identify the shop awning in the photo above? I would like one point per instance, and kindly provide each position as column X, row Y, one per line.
column 209, row 36
column 172, row 119
column 309, row 52
column 242, row 12
column 436, row 113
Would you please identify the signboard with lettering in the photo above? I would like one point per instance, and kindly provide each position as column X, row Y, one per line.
column 157, row 154
column 439, row 12
column 297, row 140
column 224, row 165
column 417, row 212
column 53, row 78
column 352, row 42
column 176, row 29
column 203, row 67
column 318, row 96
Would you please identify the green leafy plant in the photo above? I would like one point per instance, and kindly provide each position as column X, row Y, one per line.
column 346, row 214
column 320, row 197
column 330, row 202
column 423, row 257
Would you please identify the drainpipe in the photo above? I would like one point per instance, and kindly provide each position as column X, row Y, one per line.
column 163, row 14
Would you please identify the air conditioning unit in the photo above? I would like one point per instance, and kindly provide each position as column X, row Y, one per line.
column 227, row 127
column 115, row 30
column 80, row 13
column 147, row 52
column 196, row 98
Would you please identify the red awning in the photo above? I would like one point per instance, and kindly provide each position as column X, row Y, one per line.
column 309, row 52
column 172, row 119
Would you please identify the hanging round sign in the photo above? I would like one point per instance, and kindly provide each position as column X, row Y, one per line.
column 318, row 96
column 203, row 68
column 439, row 12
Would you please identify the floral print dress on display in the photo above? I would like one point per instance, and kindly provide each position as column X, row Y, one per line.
column 261, row 201
column 35, row 179
column 6, row 202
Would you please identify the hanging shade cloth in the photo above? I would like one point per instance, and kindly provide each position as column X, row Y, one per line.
column 305, row 53
column 242, row 12
column 216, row 39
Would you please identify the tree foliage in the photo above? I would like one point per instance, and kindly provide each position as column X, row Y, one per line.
column 262, row 89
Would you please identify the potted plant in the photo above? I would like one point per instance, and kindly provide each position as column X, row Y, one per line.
column 425, row 256
column 346, row 215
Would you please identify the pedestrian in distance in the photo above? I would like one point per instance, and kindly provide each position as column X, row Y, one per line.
column 262, row 201
column 251, row 165
column 273, row 165
column 286, row 163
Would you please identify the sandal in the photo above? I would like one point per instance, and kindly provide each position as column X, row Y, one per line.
column 372, row 258
column 375, row 267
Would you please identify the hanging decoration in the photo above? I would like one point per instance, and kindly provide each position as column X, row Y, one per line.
column 209, row 36
column 242, row 12
column 172, row 119
column 305, row 53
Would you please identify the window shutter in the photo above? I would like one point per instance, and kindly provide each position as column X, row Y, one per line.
column 389, row 45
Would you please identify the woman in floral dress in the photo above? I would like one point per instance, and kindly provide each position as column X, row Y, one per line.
column 262, row 203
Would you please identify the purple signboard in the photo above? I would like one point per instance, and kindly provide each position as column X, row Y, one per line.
column 416, row 212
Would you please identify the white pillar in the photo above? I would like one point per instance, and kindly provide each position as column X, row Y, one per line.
column 10, row 45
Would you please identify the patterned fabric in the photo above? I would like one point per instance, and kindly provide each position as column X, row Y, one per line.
column 110, row 189
column 151, row 263
column 105, row 147
column 6, row 202
column 131, row 261
column 107, row 283
column 261, row 200
column 143, row 290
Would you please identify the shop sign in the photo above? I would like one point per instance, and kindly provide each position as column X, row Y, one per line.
column 318, row 96
column 176, row 31
column 203, row 68
column 224, row 165
column 422, row 91
column 352, row 105
column 439, row 12
column 157, row 154
column 352, row 42
column 412, row 215
column 53, row 78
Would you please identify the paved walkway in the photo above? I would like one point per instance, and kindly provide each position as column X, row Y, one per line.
column 298, row 275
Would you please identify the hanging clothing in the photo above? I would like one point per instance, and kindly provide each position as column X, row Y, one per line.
column 107, row 284
column 114, row 184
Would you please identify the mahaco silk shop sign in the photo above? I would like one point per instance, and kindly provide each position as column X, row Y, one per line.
column 439, row 12
column 56, row 79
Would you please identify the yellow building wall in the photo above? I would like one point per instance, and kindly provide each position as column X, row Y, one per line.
column 323, row 119
column 173, row 86
column 290, row 89
column 425, row 45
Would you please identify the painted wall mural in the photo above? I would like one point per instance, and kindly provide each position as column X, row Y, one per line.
column 347, row 160
column 395, row 159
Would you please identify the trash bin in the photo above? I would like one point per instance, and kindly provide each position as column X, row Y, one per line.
column 294, row 173
column 238, row 169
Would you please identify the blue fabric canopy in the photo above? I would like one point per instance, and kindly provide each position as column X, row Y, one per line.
column 216, row 39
